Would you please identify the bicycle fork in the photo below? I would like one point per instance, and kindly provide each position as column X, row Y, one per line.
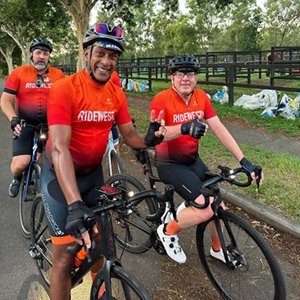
column 233, row 256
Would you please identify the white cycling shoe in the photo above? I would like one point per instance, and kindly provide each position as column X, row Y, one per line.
column 217, row 254
column 171, row 245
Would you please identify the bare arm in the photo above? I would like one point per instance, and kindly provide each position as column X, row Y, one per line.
column 8, row 105
column 225, row 137
column 63, row 163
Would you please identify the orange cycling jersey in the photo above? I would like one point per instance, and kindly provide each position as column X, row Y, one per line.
column 115, row 79
column 90, row 109
column 184, row 149
column 31, row 99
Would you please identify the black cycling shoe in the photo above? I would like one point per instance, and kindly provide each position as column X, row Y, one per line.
column 14, row 187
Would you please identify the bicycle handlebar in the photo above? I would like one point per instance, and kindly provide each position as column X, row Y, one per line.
column 210, row 189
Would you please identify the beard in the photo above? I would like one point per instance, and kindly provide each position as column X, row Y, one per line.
column 40, row 66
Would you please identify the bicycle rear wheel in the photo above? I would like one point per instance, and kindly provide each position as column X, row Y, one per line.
column 116, row 166
column 28, row 189
column 41, row 245
column 131, row 229
column 123, row 286
column 254, row 272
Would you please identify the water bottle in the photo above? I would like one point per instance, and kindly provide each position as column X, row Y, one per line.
column 79, row 257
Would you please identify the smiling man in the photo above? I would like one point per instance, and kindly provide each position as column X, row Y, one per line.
column 81, row 111
column 25, row 97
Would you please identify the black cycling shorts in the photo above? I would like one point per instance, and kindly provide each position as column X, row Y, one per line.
column 55, row 203
column 24, row 143
column 186, row 179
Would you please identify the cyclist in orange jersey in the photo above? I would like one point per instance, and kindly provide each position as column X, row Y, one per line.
column 81, row 111
column 25, row 97
column 185, row 108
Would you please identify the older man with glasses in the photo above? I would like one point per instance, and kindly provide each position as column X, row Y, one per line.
column 185, row 108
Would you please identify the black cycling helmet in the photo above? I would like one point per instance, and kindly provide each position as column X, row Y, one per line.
column 106, row 36
column 184, row 62
column 40, row 43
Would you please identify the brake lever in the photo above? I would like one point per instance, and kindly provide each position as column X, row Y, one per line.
column 258, row 172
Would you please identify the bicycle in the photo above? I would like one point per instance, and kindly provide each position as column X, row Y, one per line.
column 114, row 162
column 250, row 271
column 30, row 182
column 110, row 200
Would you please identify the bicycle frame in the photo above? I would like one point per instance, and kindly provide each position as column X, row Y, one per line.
column 106, row 247
column 28, row 169
column 109, row 149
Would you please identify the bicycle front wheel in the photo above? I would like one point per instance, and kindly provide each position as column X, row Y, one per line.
column 28, row 189
column 253, row 271
column 41, row 245
column 123, row 286
column 131, row 229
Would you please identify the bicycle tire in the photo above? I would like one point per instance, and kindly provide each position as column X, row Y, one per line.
column 124, row 285
column 257, row 274
column 115, row 161
column 41, row 245
column 25, row 206
column 131, row 229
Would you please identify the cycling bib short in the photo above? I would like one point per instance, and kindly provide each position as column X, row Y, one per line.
column 55, row 203
column 186, row 179
column 24, row 143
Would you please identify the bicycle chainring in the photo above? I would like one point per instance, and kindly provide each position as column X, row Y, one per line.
column 156, row 242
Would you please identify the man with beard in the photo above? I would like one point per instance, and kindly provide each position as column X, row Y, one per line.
column 25, row 97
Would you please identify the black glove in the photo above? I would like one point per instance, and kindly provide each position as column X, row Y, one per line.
column 150, row 139
column 248, row 166
column 14, row 122
column 79, row 219
column 194, row 128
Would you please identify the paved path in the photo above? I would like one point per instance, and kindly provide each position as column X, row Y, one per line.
column 260, row 138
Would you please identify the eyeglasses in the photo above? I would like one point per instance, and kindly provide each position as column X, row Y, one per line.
column 103, row 28
column 189, row 75
column 39, row 80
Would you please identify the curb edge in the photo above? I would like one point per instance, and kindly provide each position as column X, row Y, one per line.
column 262, row 212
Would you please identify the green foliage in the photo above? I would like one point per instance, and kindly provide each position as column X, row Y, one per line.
column 281, row 21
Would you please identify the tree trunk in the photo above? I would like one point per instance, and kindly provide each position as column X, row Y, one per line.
column 80, row 11
column 7, row 53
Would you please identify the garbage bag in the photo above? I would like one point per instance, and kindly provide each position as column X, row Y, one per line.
column 221, row 96
column 263, row 99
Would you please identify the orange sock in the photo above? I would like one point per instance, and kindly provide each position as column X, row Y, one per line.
column 215, row 242
column 172, row 228
column 93, row 275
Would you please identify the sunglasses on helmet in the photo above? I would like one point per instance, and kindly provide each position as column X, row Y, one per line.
column 103, row 28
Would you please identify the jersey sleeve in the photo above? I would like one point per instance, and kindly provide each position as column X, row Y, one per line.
column 59, row 110
column 158, row 104
column 122, row 116
column 209, row 111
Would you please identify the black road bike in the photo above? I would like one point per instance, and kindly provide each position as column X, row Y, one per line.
column 118, row 282
column 30, row 183
column 251, row 270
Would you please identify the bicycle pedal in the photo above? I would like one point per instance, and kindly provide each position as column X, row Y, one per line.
column 33, row 253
